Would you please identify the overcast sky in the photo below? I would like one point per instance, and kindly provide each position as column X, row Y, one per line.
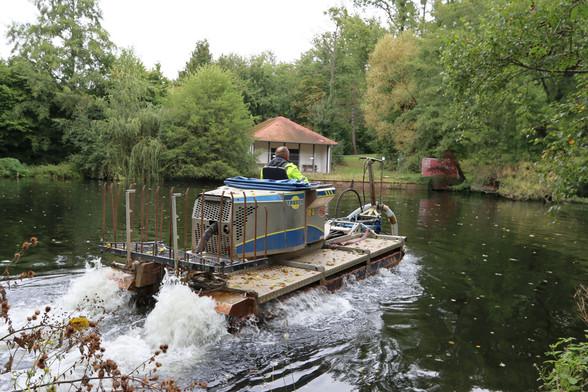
column 166, row 31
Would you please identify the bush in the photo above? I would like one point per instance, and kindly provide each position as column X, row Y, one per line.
column 64, row 171
column 522, row 182
column 569, row 370
column 12, row 168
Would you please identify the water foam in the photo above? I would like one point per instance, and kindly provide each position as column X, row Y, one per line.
column 181, row 318
column 95, row 293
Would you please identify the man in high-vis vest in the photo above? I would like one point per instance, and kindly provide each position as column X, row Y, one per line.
column 281, row 160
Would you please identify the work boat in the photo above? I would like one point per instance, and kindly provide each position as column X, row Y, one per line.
column 253, row 241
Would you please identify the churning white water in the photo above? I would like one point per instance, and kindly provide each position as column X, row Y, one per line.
column 310, row 332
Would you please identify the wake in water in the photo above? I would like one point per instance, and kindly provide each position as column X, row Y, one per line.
column 311, row 334
column 185, row 323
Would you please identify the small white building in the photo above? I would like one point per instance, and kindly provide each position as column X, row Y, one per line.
column 310, row 151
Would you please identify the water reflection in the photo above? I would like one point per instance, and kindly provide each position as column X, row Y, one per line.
column 486, row 286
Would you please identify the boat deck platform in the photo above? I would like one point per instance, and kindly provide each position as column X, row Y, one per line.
column 265, row 279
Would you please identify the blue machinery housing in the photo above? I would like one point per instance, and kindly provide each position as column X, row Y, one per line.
column 250, row 217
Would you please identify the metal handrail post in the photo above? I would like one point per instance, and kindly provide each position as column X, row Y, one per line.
column 129, row 211
column 174, row 222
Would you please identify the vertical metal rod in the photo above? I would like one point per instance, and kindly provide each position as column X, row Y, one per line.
column 372, row 185
column 103, row 210
column 186, row 224
column 265, row 252
column 112, row 207
column 129, row 212
column 255, row 232
column 142, row 217
column 174, row 221
column 232, row 227
column 156, row 212
column 244, row 224
column 220, row 225
column 201, row 224
column 147, row 215
column 161, row 219
column 116, row 212
column 381, row 180
column 171, row 192
column 132, row 210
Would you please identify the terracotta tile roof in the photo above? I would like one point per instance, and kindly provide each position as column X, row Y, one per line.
column 280, row 129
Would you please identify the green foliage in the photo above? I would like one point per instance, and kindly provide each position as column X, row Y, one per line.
column 200, row 56
column 332, row 81
column 12, row 168
column 118, row 136
column 62, row 171
column 392, row 91
column 522, row 182
column 266, row 84
column 565, row 157
column 28, row 103
column 529, row 61
column 67, row 41
column 402, row 15
column 569, row 370
column 208, row 135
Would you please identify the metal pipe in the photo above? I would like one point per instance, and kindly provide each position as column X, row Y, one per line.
column 142, row 216
column 132, row 210
column 174, row 221
column 112, row 208
column 103, row 210
column 220, row 221
column 201, row 223
column 161, row 219
column 171, row 193
column 186, row 224
column 129, row 225
column 147, row 215
column 116, row 211
column 232, row 227
column 255, row 232
column 381, row 180
column 244, row 224
column 265, row 252
column 156, row 213
column 372, row 185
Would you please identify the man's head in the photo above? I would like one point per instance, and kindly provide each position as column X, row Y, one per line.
column 283, row 152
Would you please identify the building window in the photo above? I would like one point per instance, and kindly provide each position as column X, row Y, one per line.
column 294, row 155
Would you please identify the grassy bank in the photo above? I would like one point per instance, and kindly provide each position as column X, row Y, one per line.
column 12, row 168
column 512, row 180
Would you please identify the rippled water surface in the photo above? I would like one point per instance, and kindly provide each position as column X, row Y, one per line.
column 485, row 287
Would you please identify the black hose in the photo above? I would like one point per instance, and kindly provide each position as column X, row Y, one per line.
column 341, row 195
column 209, row 232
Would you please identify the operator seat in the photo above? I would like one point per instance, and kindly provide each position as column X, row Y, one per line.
column 274, row 173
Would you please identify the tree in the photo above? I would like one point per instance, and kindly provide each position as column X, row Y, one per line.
column 403, row 15
column 534, row 56
column 392, row 91
column 331, row 80
column 26, row 106
column 118, row 135
column 63, row 58
column 200, row 56
column 208, row 135
column 67, row 41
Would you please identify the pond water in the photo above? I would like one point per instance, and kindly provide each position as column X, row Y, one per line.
column 486, row 286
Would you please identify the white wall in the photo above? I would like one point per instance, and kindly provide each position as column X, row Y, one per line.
column 321, row 158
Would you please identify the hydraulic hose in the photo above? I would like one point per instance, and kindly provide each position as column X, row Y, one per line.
column 209, row 232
